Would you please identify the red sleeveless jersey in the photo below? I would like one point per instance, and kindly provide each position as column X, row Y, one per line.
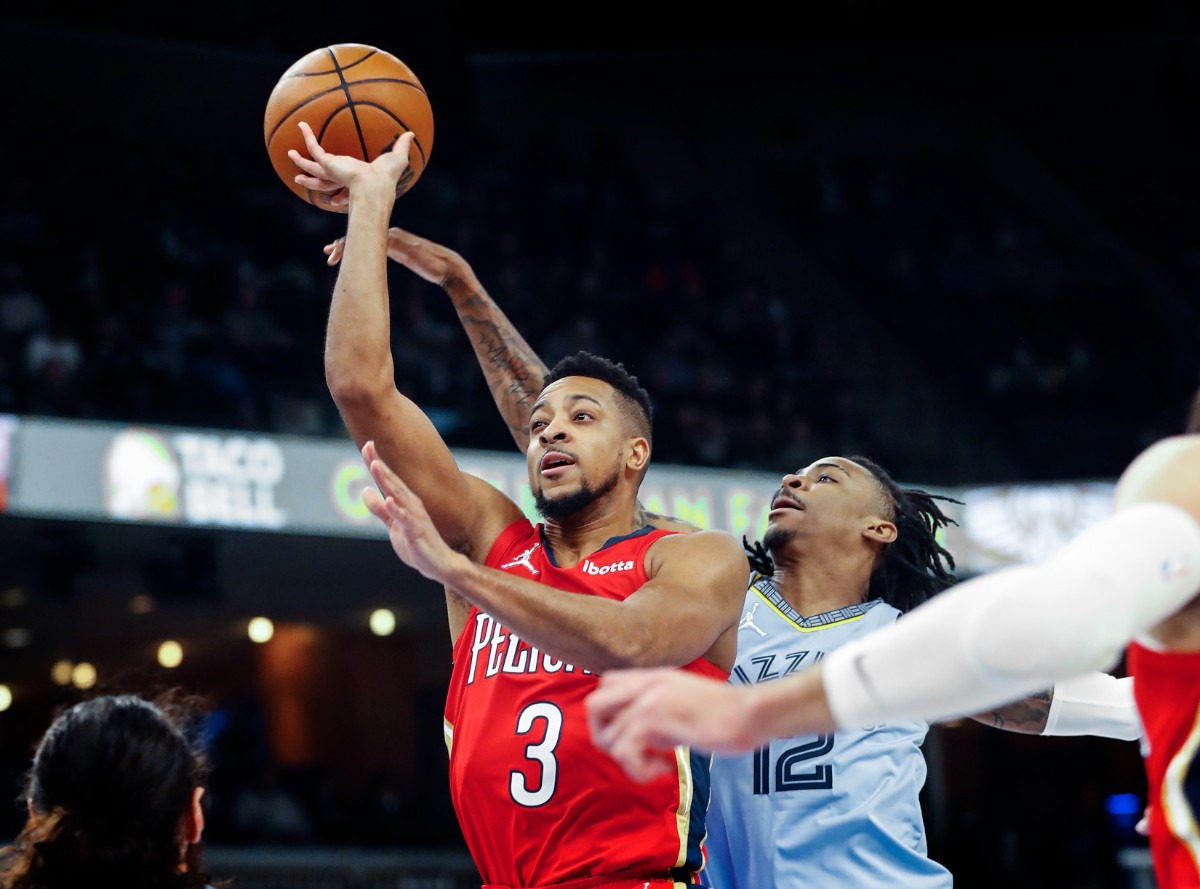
column 537, row 801
column 1166, row 686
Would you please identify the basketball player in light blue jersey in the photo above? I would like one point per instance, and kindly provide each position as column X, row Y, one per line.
column 846, row 551
column 836, row 809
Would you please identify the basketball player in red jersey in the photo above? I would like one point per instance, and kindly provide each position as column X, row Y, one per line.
column 536, row 611
column 1128, row 583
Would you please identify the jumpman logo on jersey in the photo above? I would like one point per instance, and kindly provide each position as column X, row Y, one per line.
column 523, row 559
column 748, row 621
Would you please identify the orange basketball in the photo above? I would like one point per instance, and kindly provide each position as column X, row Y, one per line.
column 358, row 100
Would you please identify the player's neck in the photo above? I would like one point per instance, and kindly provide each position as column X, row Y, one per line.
column 816, row 585
column 578, row 536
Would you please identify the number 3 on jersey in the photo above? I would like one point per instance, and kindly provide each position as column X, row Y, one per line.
column 549, row 719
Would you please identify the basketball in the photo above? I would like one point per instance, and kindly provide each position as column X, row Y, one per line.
column 358, row 100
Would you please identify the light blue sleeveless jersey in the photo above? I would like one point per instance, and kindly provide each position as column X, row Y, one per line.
column 834, row 811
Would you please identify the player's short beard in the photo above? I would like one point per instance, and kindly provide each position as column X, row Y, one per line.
column 566, row 506
column 776, row 538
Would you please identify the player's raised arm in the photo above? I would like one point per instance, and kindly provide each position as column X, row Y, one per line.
column 513, row 370
column 359, row 369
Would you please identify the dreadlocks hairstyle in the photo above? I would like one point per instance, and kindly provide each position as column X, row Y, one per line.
column 914, row 566
column 635, row 403
column 760, row 559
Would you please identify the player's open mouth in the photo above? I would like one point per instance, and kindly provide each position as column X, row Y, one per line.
column 554, row 460
column 783, row 504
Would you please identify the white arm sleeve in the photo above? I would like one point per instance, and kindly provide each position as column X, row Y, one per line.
column 1016, row 631
column 1095, row 704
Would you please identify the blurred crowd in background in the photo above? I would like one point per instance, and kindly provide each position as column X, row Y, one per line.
column 1028, row 281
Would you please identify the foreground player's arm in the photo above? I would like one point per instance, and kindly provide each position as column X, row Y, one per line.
column 639, row 715
column 969, row 649
column 513, row 370
column 977, row 647
column 1095, row 704
column 359, row 369
column 694, row 593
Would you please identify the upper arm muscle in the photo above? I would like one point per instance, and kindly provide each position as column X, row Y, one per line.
column 695, row 590
column 468, row 512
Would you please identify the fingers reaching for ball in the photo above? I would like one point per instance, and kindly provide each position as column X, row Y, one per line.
column 332, row 175
column 353, row 96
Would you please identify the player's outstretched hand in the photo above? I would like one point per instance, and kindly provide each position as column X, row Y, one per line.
column 640, row 715
column 336, row 174
column 414, row 537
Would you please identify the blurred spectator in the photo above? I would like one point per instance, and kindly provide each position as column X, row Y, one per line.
column 53, row 362
column 176, row 329
column 264, row 811
column 388, row 817
column 22, row 311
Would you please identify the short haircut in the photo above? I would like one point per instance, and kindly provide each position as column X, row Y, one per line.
column 632, row 399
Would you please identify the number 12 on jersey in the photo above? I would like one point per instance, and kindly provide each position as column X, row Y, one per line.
column 791, row 770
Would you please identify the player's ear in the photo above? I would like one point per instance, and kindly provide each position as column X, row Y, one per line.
column 193, row 817
column 880, row 530
column 638, row 454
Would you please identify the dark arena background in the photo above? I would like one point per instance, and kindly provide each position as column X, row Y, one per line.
column 965, row 245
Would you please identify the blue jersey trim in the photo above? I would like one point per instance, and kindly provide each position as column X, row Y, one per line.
column 640, row 532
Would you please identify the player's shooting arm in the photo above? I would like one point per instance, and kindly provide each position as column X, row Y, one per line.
column 513, row 370
column 360, row 372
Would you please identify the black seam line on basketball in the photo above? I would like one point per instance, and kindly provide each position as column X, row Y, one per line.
column 349, row 65
column 362, row 140
column 283, row 118
column 336, row 65
column 399, row 121
column 403, row 81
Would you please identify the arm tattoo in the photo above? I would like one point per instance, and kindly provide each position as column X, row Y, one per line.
column 1027, row 716
column 658, row 520
column 509, row 378
column 513, row 371
column 507, row 369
